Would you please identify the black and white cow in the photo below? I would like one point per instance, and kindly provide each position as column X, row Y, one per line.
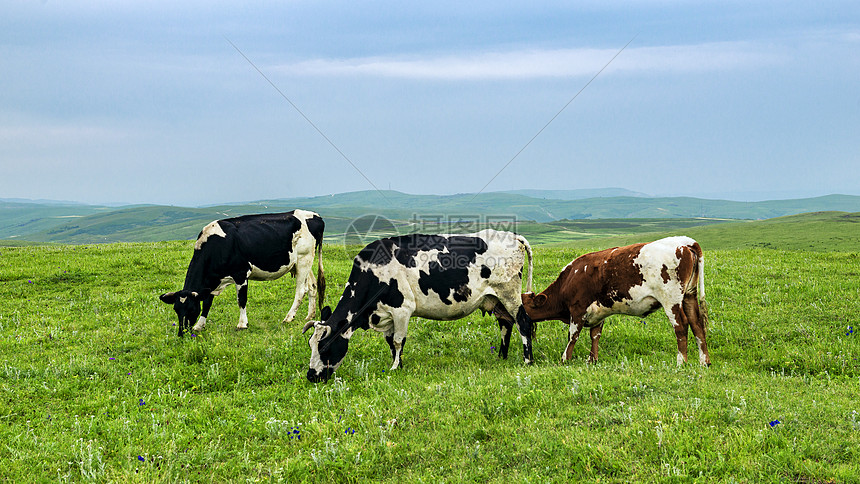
column 440, row 277
column 252, row 247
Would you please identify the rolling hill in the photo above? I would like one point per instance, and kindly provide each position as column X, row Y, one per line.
column 546, row 220
column 816, row 232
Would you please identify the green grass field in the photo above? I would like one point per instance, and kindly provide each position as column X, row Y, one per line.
column 95, row 385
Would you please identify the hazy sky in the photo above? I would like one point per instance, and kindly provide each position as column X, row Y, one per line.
column 148, row 102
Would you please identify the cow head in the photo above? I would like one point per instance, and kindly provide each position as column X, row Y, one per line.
column 187, row 307
column 534, row 301
column 328, row 344
column 536, row 306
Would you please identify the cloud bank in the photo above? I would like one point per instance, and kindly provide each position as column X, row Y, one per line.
column 534, row 63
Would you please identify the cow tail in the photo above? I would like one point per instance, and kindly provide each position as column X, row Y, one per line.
column 703, row 304
column 320, row 278
column 528, row 248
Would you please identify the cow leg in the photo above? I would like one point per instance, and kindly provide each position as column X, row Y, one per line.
column 396, row 342
column 576, row 325
column 524, row 325
column 506, row 323
column 595, row 338
column 396, row 347
column 397, row 336
column 204, row 313
column 506, row 326
column 242, row 297
column 679, row 323
column 303, row 275
column 694, row 316
column 311, row 290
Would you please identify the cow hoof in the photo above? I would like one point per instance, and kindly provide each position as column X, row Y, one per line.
column 241, row 328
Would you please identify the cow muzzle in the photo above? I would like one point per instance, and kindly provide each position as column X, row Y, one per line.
column 315, row 376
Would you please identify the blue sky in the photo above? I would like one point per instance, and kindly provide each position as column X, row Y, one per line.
column 148, row 102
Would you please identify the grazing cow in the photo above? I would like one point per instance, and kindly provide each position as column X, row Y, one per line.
column 253, row 247
column 440, row 277
column 634, row 280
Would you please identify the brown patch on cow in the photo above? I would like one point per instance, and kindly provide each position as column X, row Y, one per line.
column 680, row 317
column 681, row 328
column 618, row 273
column 665, row 274
column 687, row 268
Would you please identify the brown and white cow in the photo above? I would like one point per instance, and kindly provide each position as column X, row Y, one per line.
column 634, row 280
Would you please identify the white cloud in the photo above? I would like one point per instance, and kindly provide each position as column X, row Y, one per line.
column 528, row 64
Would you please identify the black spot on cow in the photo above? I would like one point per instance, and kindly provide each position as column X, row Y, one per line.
column 485, row 272
column 376, row 253
column 442, row 281
column 375, row 319
column 448, row 271
column 369, row 292
column 448, row 275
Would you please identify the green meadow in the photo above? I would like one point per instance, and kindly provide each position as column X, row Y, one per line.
column 95, row 384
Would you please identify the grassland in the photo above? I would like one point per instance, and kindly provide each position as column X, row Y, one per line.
column 95, row 385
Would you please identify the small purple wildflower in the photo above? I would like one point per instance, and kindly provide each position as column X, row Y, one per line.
column 850, row 331
column 142, row 403
column 296, row 434
column 774, row 423
column 140, row 458
column 111, row 358
column 193, row 335
column 349, row 431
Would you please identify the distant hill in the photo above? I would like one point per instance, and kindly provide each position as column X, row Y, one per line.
column 402, row 206
column 79, row 224
column 20, row 218
column 578, row 194
column 819, row 232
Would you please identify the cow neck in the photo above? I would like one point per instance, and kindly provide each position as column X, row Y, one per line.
column 357, row 304
column 554, row 307
column 194, row 277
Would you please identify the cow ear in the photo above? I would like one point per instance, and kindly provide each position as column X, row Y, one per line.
column 168, row 297
column 540, row 300
column 325, row 313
